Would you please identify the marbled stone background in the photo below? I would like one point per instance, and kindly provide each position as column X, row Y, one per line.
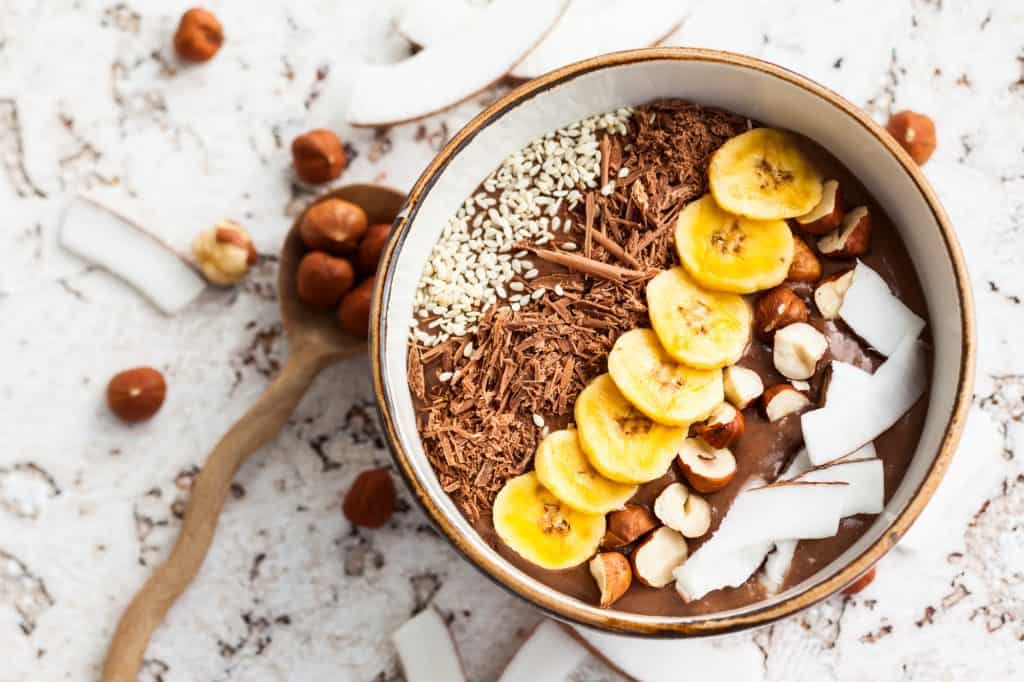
column 93, row 99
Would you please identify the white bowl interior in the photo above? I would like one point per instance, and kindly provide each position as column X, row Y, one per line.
column 747, row 91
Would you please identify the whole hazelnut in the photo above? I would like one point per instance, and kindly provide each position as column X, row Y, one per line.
column 333, row 225
column 224, row 253
column 354, row 311
column 323, row 279
column 370, row 501
column 136, row 394
column 778, row 308
column 915, row 132
column 318, row 156
column 805, row 266
column 371, row 246
column 199, row 36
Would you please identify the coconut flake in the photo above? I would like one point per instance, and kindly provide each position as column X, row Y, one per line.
column 550, row 653
column 776, row 566
column 875, row 314
column 426, row 649
column 441, row 75
column 710, row 568
column 865, row 484
column 858, row 410
column 428, row 23
column 121, row 246
column 593, row 27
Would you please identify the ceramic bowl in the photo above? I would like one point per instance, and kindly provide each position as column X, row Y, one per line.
column 747, row 86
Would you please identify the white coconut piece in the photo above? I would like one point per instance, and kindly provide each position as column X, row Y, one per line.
column 428, row 23
column 781, row 511
column 550, row 653
column 776, row 566
column 123, row 247
column 853, row 418
column 875, row 313
column 593, row 27
column 485, row 48
column 710, row 568
column 426, row 649
column 865, row 484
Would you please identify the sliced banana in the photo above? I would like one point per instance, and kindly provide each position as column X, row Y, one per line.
column 762, row 174
column 619, row 440
column 542, row 529
column 700, row 328
column 666, row 391
column 563, row 469
column 725, row 252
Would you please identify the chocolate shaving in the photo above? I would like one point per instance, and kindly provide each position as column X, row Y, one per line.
column 478, row 429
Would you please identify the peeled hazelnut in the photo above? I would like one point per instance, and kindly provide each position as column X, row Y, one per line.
column 686, row 513
column 742, row 386
column 707, row 469
column 783, row 400
column 370, row 501
column 827, row 215
column 354, row 311
column 722, row 428
column 135, row 395
column 861, row 582
column 797, row 349
column 323, row 279
column 915, row 133
column 778, row 308
column 805, row 266
column 612, row 574
column 318, row 156
column 371, row 247
column 224, row 253
column 333, row 225
column 199, row 36
column 628, row 524
column 853, row 238
column 828, row 296
column 658, row 556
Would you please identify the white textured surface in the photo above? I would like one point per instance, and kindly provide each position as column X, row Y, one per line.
column 91, row 98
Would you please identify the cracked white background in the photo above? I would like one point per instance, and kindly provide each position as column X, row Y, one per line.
column 93, row 99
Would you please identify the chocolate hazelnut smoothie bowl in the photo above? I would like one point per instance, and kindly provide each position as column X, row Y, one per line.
column 669, row 363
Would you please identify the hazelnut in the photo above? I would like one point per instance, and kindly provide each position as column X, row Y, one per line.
column 627, row 525
column 915, row 132
column 612, row 574
column 136, row 394
column 354, row 311
column 778, row 308
column 224, row 253
column 333, row 225
column 827, row 215
column 199, row 36
column 706, row 469
column 371, row 246
column 852, row 239
column 323, row 279
column 805, row 266
column 660, row 553
column 797, row 349
column 860, row 583
column 318, row 156
column 722, row 428
column 742, row 386
column 370, row 501
column 783, row 400
column 829, row 295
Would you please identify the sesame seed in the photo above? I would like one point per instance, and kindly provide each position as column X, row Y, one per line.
column 538, row 420
column 444, row 376
column 569, row 246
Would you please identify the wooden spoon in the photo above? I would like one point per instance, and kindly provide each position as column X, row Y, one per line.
column 315, row 341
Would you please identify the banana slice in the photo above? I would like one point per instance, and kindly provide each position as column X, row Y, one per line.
column 563, row 469
column 664, row 390
column 725, row 252
column 619, row 440
column 542, row 529
column 762, row 174
column 700, row 328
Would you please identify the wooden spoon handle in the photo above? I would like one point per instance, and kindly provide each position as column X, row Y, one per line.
column 209, row 490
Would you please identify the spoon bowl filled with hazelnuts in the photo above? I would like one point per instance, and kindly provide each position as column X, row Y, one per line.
column 325, row 280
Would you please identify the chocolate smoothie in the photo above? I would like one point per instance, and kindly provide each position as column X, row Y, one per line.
column 476, row 411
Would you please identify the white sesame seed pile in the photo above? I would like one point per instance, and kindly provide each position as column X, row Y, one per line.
column 475, row 263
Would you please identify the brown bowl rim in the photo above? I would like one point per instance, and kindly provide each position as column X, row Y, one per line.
column 562, row 606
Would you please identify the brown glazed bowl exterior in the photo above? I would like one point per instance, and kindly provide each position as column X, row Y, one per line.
column 770, row 84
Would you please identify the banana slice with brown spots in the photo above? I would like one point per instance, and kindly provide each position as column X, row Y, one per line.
column 564, row 470
column 700, row 328
column 541, row 528
column 762, row 174
column 666, row 391
column 619, row 440
column 725, row 252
